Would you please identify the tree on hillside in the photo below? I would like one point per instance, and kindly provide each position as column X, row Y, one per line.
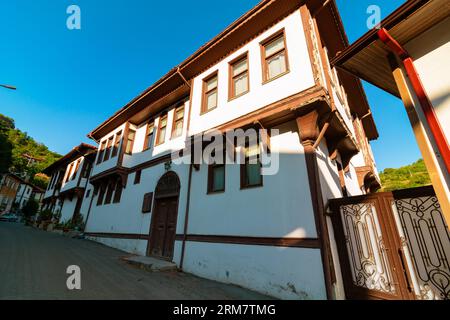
column 6, row 124
column 411, row 176
column 15, row 144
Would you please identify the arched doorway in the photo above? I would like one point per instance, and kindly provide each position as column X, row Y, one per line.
column 164, row 220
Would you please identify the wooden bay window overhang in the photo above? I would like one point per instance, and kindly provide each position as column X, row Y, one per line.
column 71, row 193
column 117, row 173
column 339, row 138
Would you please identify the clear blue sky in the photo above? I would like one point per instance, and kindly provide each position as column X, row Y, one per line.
column 70, row 81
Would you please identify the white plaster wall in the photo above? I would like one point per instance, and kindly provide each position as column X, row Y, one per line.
column 431, row 52
column 285, row 273
column 298, row 79
column 68, row 209
column 127, row 216
column 138, row 247
column 281, row 208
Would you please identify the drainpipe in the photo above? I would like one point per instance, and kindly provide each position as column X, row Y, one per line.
column 186, row 217
column 419, row 90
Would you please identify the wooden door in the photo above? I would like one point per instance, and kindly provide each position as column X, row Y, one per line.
column 163, row 231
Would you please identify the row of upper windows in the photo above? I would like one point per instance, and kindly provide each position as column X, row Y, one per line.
column 108, row 150
column 274, row 64
column 274, row 60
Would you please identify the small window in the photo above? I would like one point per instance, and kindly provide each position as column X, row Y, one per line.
column 274, row 54
column 251, row 175
column 109, row 192
column 101, row 152
column 118, row 192
column 115, row 149
column 108, row 149
column 87, row 169
column 74, row 176
column 210, row 93
column 178, row 120
column 137, row 177
column 148, row 142
column 101, row 195
column 239, row 77
column 69, row 172
column 88, row 193
column 130, row 141
column 216, row 178
column 162, row 129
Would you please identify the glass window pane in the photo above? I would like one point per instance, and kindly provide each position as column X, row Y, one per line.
column 211, row 84
column 162, row 135
column 218, row 178
column 149, row 140
column 253, row 174
column 179, row 114
column 211, row 100
column 241, row 84
column 163, row 122
column 239, row 67
column 178, row 130
column 277, row 65
column 274, row 46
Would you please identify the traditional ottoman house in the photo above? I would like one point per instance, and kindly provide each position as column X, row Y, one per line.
column 68, row 183
column 270, row 69
column 9, row 185
column 26, row 192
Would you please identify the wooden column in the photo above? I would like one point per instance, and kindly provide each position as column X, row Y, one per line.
column 309, row 132
column 438, row 181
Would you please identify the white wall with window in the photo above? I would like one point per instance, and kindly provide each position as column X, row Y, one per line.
column 289, row 72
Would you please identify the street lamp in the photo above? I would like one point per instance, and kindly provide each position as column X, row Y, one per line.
column 8, row 87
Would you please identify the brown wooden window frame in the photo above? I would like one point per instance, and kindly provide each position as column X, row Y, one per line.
column 109, row 145
column 205, row 93
column 243, row 168
column 68, row 173
column 231, row 82
column 137, row 177
column 175, row 121
column 149, row 135
column 158, row 132
column 115, row 149
column 101, row 152
column 77, row 167
column 101, row 195
column 130, row 142
column 109, row 192
column 118, row 191
column 211, row 169
column 264, row 58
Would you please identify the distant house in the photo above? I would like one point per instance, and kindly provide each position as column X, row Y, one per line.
column 68, row 183
column 26, row 192
column 9, row 185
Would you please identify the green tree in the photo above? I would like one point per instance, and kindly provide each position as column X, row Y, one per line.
column 411, row 176
column 30, row 209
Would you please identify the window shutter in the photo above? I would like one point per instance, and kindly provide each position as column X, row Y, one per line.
column 148, row 201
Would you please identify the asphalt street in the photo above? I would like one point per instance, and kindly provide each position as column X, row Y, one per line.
column 33, row 266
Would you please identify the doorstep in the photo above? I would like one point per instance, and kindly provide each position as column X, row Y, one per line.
column 150, row 263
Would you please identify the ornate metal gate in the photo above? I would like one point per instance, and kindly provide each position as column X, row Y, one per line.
column 393, row 245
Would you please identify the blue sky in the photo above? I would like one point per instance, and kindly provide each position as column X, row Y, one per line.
column 69, row 81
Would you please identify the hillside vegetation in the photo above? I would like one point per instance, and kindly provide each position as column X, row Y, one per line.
column 14, row 144
column 411, row 176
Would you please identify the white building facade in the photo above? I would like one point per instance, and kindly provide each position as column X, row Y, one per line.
column 270, row 233
column 69, row 178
